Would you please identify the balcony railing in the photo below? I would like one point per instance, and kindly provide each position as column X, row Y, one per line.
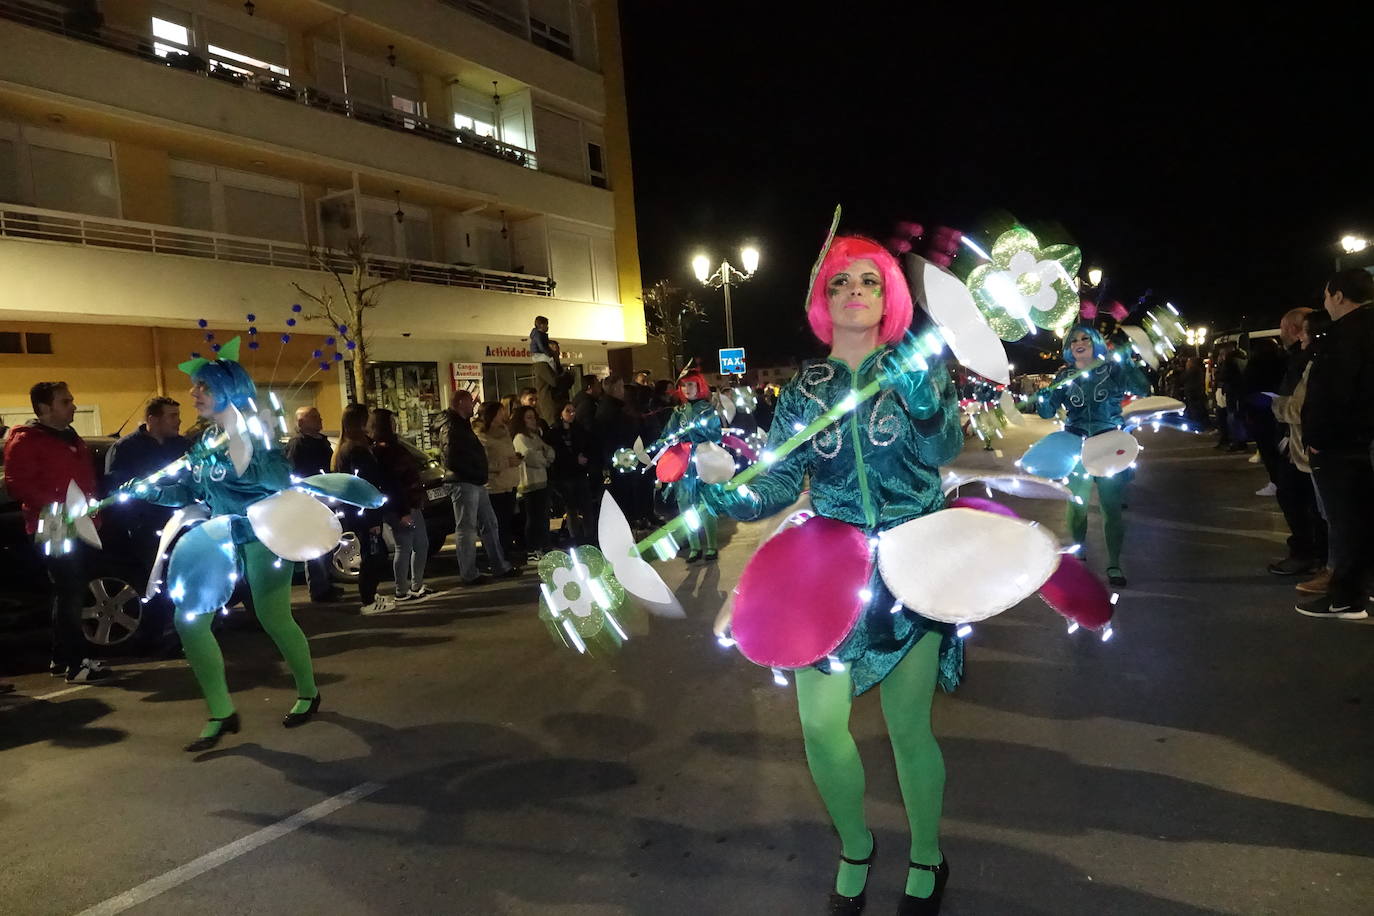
column 33, row 224
column 141, row 46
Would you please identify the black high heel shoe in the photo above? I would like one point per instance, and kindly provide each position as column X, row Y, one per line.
column 229, row 723
column 293, row 719
column 926, row 906
column 839, row 904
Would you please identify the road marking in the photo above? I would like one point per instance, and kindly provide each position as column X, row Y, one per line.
column 211, row 860
column 62, row 693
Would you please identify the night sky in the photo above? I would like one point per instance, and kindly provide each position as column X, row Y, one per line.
column 1211, row 161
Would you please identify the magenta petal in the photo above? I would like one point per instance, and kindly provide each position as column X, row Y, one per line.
column 799, row 596
column 982, row 505
column 1077, row 594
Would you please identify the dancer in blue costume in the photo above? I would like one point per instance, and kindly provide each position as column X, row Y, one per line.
column 875, row 469
column 694, row 421
column 1092, row 404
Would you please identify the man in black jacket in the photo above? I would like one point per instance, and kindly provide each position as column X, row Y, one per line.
column 310, row 453
column 1338, row 429
column 465, row 457
column 1296, row 495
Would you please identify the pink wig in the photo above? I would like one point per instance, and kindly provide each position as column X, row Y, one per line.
column 845, row 250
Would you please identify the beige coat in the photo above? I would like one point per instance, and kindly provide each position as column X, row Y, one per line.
column 538, row 455
column 1288, row 409
column 502, row 477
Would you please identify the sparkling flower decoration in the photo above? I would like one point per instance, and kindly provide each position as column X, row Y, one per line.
column 624, row 460
column 1026, row 286
column 745, row 399
column 580, row 597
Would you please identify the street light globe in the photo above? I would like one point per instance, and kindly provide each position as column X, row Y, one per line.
column 750, row 257
column 1353, row 244
column 701, row 266
column 1095, row 276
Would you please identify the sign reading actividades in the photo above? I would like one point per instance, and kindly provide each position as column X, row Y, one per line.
column 732, row 361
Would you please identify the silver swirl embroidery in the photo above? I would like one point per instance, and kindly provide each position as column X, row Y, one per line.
column 827, row 442
column 888, row 424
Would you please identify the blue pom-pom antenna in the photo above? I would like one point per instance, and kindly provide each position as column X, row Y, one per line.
column 296, row 307
column 215, row 347
column 252, row 317
column 286, row 338
column 290, row 322
column 252, row 344
column 203, row 323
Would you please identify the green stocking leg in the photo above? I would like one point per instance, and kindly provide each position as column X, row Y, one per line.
column 907, row 694
column 1081, row 486
column 823, row 702
column 708, row 522
column 270, row 581
column 1111, row 493
column 685, row 502
column 202, row 652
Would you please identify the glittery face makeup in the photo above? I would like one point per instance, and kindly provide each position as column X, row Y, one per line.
column 856, row 295
column 1081, row 346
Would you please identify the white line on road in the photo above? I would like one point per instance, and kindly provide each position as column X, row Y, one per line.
column 178, row 876
column 62, row 693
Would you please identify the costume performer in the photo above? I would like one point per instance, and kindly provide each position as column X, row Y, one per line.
column 874, row 469
column 1093, row 406
column 694, row 421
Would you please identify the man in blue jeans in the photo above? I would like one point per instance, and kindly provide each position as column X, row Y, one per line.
column 465, row 457
column 1338, row 430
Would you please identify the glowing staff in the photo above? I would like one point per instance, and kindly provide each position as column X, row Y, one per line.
column 914, row 358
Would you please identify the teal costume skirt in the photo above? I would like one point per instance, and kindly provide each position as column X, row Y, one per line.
column 880, row 639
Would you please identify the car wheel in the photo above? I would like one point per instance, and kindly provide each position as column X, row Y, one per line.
column 347, row 559
column 113, row 615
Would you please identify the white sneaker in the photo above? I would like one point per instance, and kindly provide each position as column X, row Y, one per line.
column 380, row 605
column 89, row 672
column 1267, row 490
column 1255, row 458
column 423, row 591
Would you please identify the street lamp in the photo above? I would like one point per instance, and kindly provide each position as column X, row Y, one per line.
column 724, row 276
column 1353, row 244
column 1095, row 276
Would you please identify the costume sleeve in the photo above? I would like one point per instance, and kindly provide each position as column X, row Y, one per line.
column 940, row 434
column 1132, row 380
column 779, row 486
column 1047, row 403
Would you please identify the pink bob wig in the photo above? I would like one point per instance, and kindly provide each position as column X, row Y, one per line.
column 845, row 250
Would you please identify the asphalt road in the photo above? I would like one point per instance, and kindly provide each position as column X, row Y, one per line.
column 1216, row 756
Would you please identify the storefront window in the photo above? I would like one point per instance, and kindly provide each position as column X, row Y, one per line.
column 411, row 391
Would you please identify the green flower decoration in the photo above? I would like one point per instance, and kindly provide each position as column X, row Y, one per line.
column 1026, row 286
column 745, row 399
column 623, row 459
column 580, row 598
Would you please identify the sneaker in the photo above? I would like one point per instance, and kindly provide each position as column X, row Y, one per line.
column 1325, row 607
column 1318, row 584
column 57, row 670
column 380, row 605
column 415, row 594
column 1267, row 490
column 1292, row 566
column 88, row 672
column 1255, row 459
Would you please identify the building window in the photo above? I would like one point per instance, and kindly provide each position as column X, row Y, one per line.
column 550, row 38
column 57, row 171
column 261, row 66
column 38, row 343
column 596, row 165
column 173, row 38
column 11, row 342
column 239, row 203
column 480, row 128
column 25, row 342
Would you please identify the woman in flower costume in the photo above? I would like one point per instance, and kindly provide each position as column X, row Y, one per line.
column 1090, row 388
column 874, row 469
column 236, row 489
column 694, row 421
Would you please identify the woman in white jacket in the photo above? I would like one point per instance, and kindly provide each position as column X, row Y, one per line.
column 503, row 470
column 537, row 457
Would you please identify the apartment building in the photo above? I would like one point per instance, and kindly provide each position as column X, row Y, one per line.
column 166, row 162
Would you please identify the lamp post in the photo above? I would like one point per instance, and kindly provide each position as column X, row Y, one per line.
column 1095, row 276
column 723, row 277
column 1351, row 244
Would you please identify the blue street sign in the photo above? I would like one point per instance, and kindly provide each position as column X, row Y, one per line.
column 732, row 361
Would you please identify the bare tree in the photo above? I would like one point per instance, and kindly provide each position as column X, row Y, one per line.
column 345, row 302
column 668, row 312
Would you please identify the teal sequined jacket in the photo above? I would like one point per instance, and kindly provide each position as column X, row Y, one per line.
column 210, row 478
column 878, row 466
column 1093, row 404
column 694, row 422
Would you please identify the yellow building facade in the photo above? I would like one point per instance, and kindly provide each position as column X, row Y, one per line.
column 162, row 163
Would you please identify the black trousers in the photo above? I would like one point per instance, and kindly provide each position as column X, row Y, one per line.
column 503, row 504
column 537, row 519
column 69, row 582
column 374, row 564
column 1346, row 481
column 1296, row 497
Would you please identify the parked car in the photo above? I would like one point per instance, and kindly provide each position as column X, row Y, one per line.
column 438, row 514
column 115, row 620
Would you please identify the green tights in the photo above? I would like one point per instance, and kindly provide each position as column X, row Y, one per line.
column 271, row 587
column 1111, row 492
column 708, row 520
column 824, row 701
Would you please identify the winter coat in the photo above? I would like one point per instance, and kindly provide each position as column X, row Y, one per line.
column 502, row 476
column 1338, row 415
column 309, row 455
column 464, row 455
column 552, row 383
column 401, row 475
column 539, row 456
column 569, row 441
column 39, row 463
